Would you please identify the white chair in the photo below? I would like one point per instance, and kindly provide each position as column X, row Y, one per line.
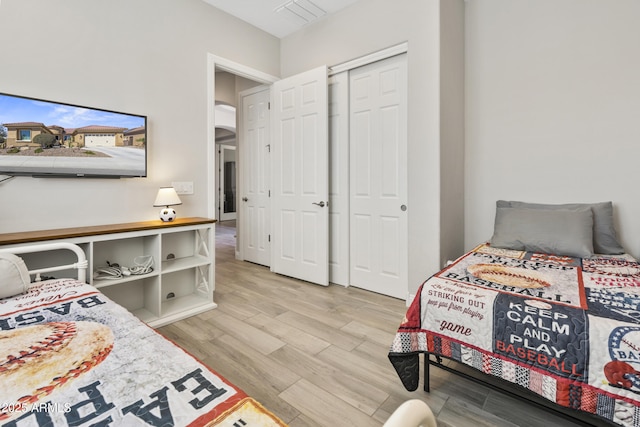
column 412, row 413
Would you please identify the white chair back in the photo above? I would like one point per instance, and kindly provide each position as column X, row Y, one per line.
column 412, row 413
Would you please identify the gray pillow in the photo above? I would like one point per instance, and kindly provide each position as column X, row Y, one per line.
column 14, row 276
column 605, row 240
column 560, row 232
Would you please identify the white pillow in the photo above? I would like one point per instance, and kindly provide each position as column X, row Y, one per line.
column 14, row 276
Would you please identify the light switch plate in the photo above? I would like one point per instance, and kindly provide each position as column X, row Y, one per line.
column 183, row 187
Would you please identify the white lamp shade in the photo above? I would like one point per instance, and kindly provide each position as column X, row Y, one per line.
column 167, row 196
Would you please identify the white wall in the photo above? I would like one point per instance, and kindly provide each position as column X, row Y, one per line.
column 552, row 100
column 144, row 56
column 229, row 85
column 371, row 25
column 452, row 69
column 552, row 108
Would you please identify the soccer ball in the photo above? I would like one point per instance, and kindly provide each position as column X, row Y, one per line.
column 167, row 214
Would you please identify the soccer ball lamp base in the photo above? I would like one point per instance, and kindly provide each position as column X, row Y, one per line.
column 167, row 214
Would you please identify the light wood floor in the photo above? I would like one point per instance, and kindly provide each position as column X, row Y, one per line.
column 317, row 356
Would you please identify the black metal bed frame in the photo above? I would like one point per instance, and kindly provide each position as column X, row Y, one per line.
column 570, row 414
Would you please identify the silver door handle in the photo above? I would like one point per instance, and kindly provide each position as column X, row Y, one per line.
column 321, row 204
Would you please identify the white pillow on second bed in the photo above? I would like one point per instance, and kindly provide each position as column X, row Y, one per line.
column 14, row 276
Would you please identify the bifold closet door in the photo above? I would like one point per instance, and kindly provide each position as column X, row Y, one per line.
column 378, row 177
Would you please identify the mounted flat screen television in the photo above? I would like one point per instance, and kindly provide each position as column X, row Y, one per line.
column 53, row 139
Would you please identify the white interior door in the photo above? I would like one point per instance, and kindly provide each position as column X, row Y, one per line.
column 300, row 219
column 254, row 202
column 378, row 178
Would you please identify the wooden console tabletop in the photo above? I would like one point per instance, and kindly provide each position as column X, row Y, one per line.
column 67, row 233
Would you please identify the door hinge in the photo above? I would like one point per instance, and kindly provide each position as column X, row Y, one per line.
column 269, row 193
column 269, row 239
column 268, row 147
column 268, row 105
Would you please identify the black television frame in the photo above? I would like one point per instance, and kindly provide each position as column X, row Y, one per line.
column 131, row 163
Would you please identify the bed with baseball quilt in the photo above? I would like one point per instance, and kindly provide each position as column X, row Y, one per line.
column 550, row 305
column 69, row 356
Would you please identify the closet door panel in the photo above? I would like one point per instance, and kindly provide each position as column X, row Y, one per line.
column 378, row 159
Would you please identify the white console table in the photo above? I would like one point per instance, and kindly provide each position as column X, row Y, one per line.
column 181, row 283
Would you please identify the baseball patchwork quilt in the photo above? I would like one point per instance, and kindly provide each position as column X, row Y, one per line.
column 69, row 356
column 565, row 328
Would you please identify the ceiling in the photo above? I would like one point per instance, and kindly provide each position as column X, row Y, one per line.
column 280, row 17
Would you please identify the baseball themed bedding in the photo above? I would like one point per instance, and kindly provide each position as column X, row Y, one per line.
column 564, row 327
column 69, row 356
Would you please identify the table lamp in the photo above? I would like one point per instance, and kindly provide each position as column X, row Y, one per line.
column 167, row 197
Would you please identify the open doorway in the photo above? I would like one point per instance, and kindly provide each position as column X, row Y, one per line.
column 226, row 81
column 225, row 153
column 227, row 190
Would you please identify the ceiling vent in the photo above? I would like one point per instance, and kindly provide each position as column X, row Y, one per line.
column 300, row 11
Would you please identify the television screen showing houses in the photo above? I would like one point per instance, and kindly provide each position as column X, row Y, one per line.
column 40, row 137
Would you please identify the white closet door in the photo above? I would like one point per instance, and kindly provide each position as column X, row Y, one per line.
column 254, row 202
column 300, row 193
column 378, row 177
column 339, row 179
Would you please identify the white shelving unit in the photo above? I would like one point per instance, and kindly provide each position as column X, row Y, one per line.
column 181, row 283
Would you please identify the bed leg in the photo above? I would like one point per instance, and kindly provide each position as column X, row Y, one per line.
column 426, row 372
